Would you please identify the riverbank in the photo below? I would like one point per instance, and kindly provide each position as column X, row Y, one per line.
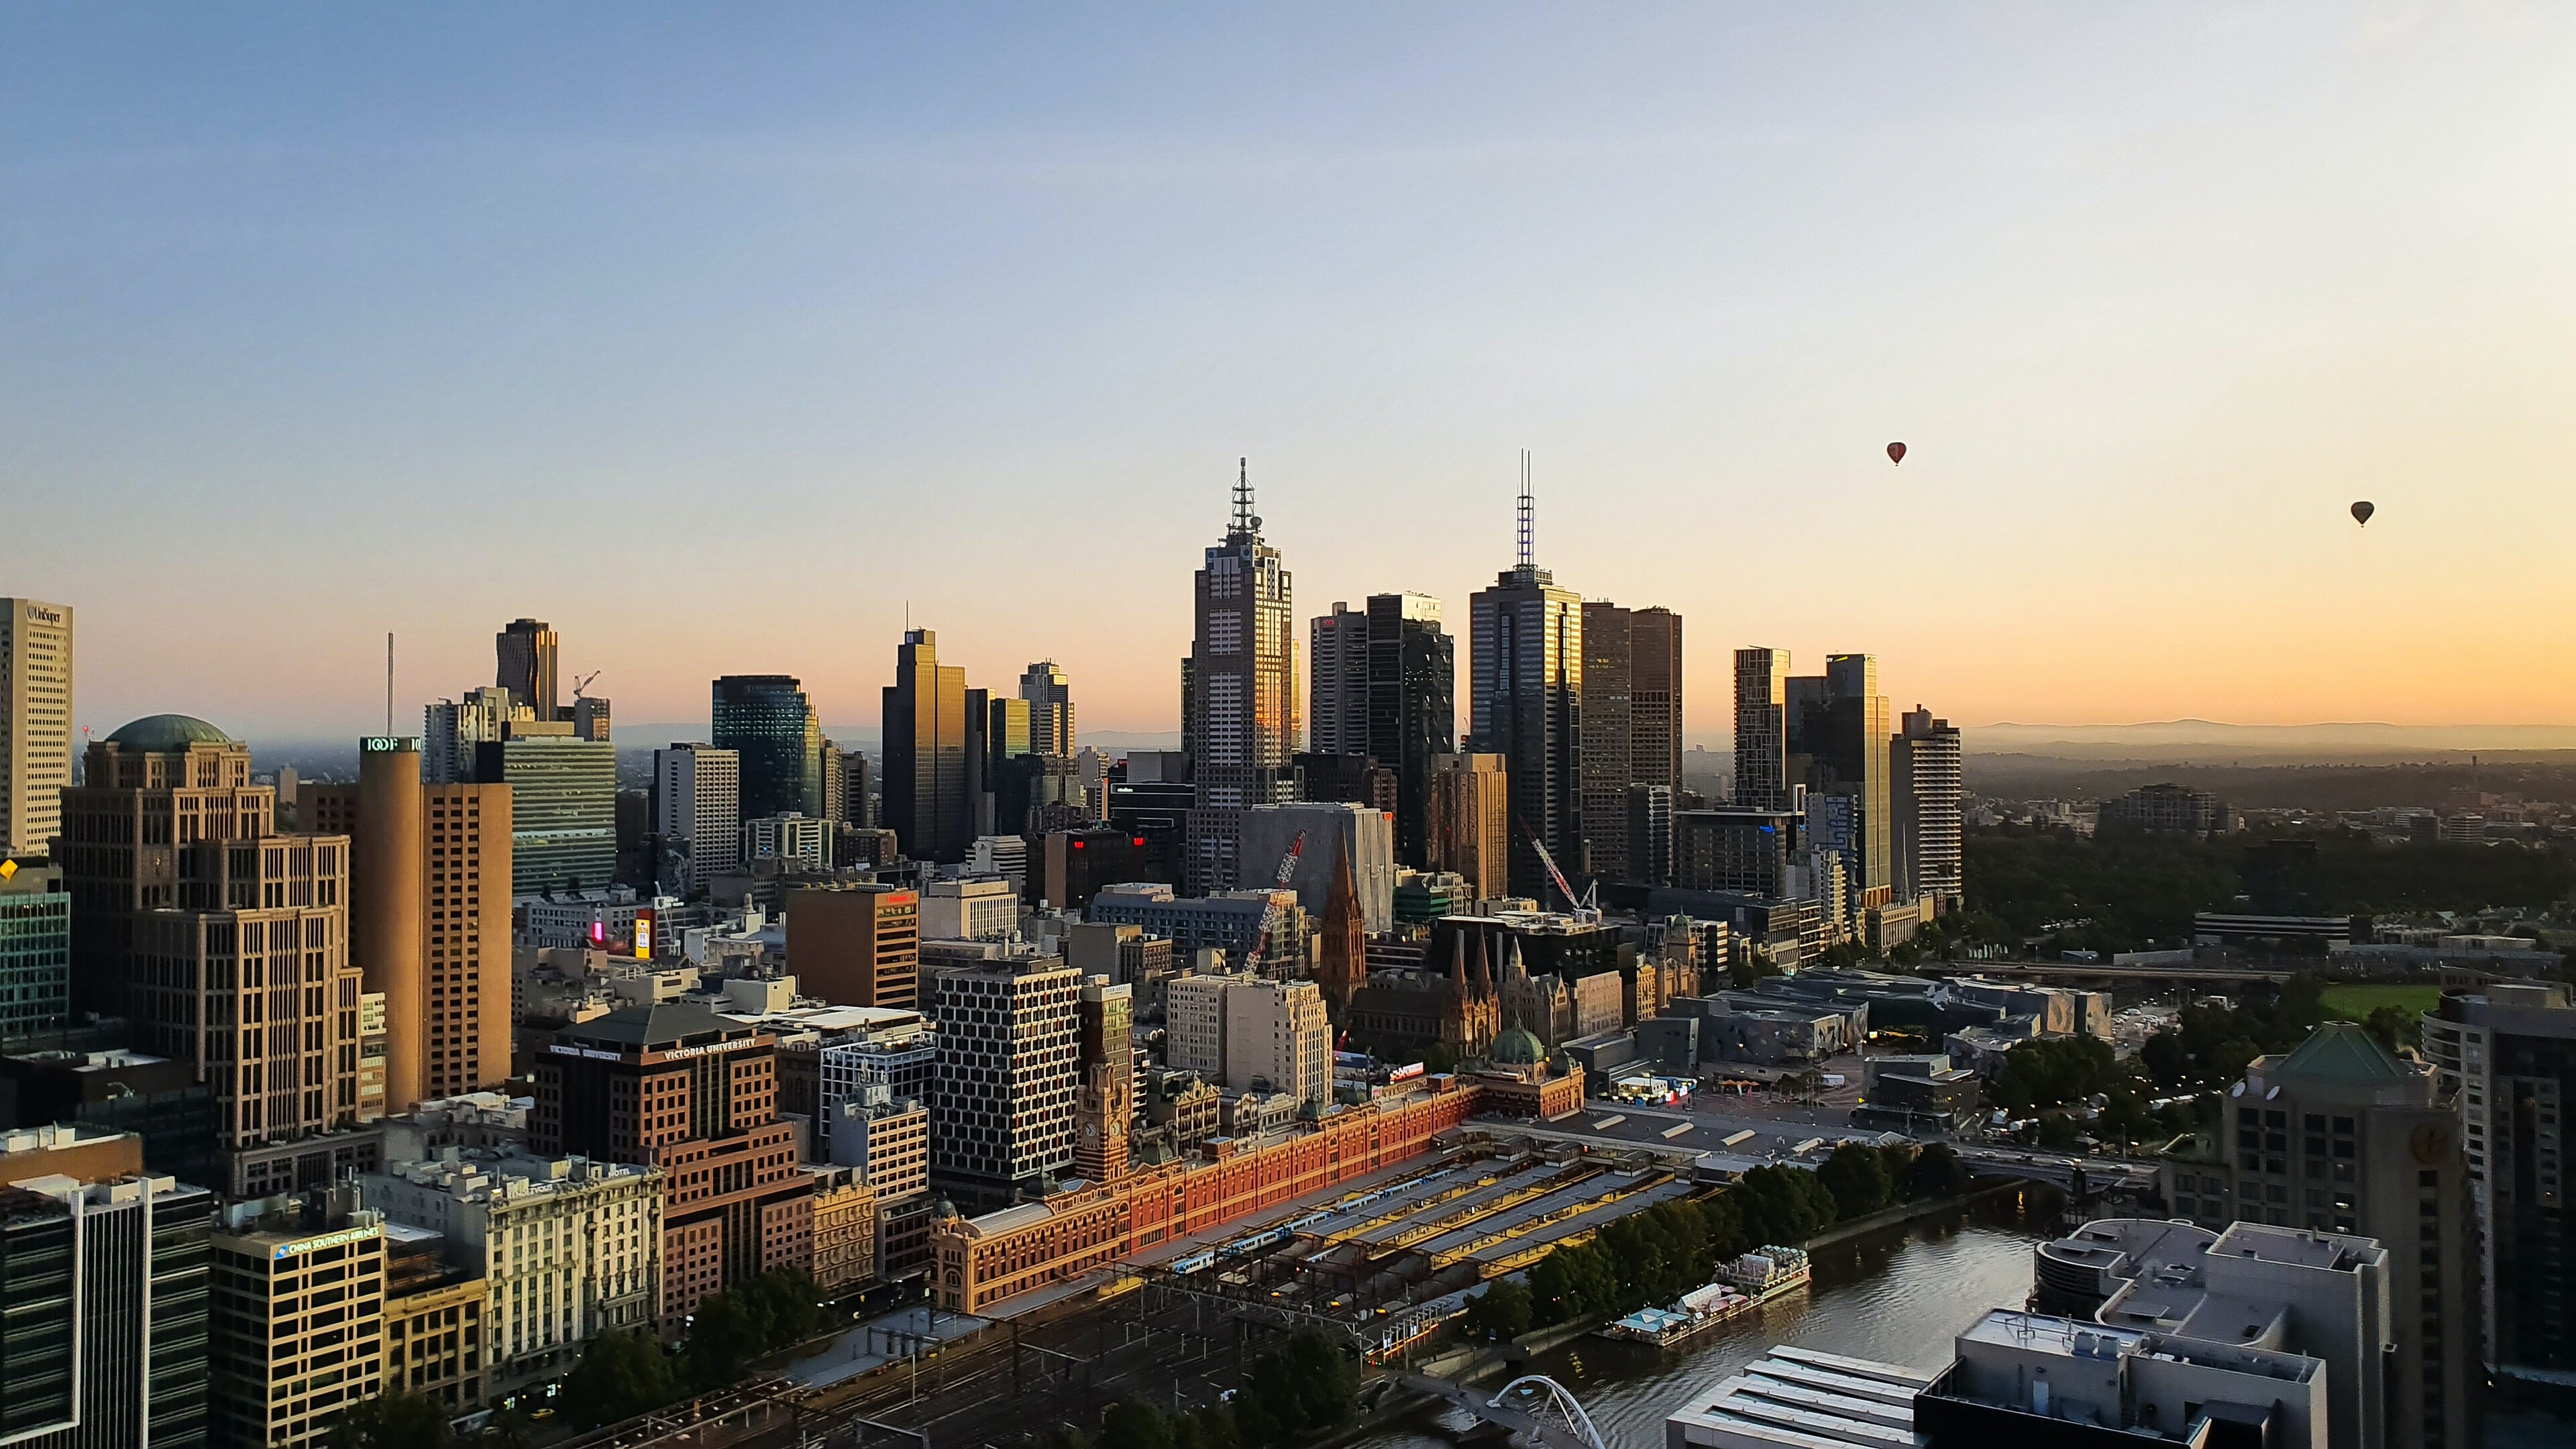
column 1906, row 1212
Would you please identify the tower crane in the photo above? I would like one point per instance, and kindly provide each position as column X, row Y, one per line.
column 583, row 683
column 1588, row 901
column 1270, row 913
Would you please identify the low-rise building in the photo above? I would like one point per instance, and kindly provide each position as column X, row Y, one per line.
column 433, row 1320
column 845, row 1228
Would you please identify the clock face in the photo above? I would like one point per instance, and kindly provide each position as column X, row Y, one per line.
column 2431, row 1143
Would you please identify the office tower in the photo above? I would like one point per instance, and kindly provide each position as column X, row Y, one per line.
column 697, row 809
column 1105, row 1054
column 1655, row 697
column 1650, row 834
column 590, row 719
column 563, row 805
column 1001, row 1102
column 695, row 1094
column 1006, row 730
column 1412, row 706
column 277, row 1375
column 791, row 837
column 453, row 731
column 1738, row 851
column 35, row 723
column 526, row 648
column 1608, row 738
column 969, row 910
column 926, row 804
column 1239, row 695
column 566, row 1248
column 106, row 1282
column 1337, row 673
column 1839, row 733
column 767, row 721
column 836, row 779
column 2508, row 1049
column 35, row 948
column 858, row 792
column 856, row 944
column 1467, row 822
column 435, row 1316
column 1072, row 865
column 1525, row 637
column 1761, row 729
column 1332, row 832
column 191, row 916
column 2339, row 1135
column 1049, row 696
column 1924, row 777
column 430, row 870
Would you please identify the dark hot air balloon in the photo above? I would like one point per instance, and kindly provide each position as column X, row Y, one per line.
column 1896, row 452
column 2361, row 512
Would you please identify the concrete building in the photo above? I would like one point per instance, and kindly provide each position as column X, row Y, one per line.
column 856, row 944
column 1631, row 725
column 1799, row 1396
column 187, row 908
column 566, row 1248
column 800, row 841
column 1525, row 703
column 968, row 910
column 845, row 1228
column 2339, row 1136
column 1736, row 851
column 1049, row 695
column 1761, row 729
column 106, row 1268
column 563, row 806
column 1230, row 922
column 454, row 731
column 1239, row 717
column 35, row 723
column 1251, row 1032
column 2171, row 809
column 2506, row 1053
column 1072, row 866
column 1468, row 823
column 298, row 1318
column 927, row 800
column 1337, row 690
column 35, row 948
column 1001, row 1097
column 1926, row 759
column 697, row 808
column 430, row 871
column 2047, row 1381
column 1333, row 832
column 696, row 1095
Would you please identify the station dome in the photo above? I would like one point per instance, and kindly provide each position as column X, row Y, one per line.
column 1518, row 1046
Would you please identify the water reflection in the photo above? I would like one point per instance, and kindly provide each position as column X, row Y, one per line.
column 1897, row 1296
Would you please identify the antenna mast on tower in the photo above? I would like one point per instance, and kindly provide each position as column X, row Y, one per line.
column 1528, row 517
column 1246, row 521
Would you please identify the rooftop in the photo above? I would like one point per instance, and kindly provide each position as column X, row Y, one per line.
column 159, row 734
column 648, row 1027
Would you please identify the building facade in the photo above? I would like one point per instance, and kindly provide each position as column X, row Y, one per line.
column 1927, row 784
column 697, row 809
column 35, row 949
column 35, row 722
column 1761, row 729
column 1468, row 823
column 1049, row 695
column 927, row 803
column 563, row 806
column 856, row 944
column 297, row 1320
column 525, row 650
column 1525, row 646
column 1239, row 716
column 777, row 740
column 1001, row 1095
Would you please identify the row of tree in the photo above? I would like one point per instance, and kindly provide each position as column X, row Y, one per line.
column 1305, row 1388
column 626, row 1373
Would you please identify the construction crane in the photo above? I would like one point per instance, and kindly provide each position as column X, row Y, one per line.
column 583, row 683
column 1271, row 913
column 1588, row 901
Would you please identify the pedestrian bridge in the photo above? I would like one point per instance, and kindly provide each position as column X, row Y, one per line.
column 1539, row 1409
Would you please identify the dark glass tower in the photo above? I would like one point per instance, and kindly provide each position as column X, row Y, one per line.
column 1412, row 706
column 1525, row 643
column 767, row 720
column 926, row 768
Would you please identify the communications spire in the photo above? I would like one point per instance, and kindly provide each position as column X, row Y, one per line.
column 1246, row 521
column 1528, row 517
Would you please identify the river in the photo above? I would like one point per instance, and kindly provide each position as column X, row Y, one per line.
column 1898, row 1296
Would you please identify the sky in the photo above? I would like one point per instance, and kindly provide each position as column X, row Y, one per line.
column 722, row 337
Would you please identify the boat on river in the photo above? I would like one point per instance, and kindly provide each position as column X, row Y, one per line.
column 1740, row 1288
column 1766, row 1272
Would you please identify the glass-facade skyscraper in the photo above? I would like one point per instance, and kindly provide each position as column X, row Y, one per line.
column 1525, row 643
column 1412, row 706
column 563, row 810
column 1238, row 696
column 35, row 950
column 767, row 721
column 927, row 805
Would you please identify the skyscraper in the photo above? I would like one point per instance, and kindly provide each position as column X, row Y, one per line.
column 1239, row 695
column 926, row 803
column 35, row 723
column 1525, row 638
column 1337, row 671
column 1412, row 706
column 526, row 648
column 771, row 727
column 1925, row 780
column 697, row 804
column 563, row 806
column 1839, row 732
column 1469, row 817
column 452, row 730
column 1761, row 729
column 1049, row 696
column 1608, row 743
column 1001, row 1098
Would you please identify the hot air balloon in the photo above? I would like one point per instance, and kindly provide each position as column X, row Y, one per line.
column 1896, row 452
column 2361, row 512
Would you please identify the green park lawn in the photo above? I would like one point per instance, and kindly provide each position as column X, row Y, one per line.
column 2353, row 1002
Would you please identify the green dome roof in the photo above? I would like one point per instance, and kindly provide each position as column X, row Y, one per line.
column 159, row 734
column 1518, row 1047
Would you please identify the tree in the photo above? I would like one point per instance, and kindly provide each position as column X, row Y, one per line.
column 1501, row 1311
column 722, row 1338
column 1135, row 1423
column 1856, row 1174
column 620, row 1375
column 397, row 1420
column 790, row 1304
column 1936, row 1172
column 2395, row 1027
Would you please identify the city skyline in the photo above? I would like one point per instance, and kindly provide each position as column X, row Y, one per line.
column 2151, row 298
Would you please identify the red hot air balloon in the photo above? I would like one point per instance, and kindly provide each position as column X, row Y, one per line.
column 2361, row 513
column 1896, row 452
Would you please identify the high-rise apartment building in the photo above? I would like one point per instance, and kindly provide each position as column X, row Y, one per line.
column 106, row 1285
column 1468, row 827
column 777, row 739
column 2508, row 1049
column 526, row 651
column 1761, row 729
column 35, row 722
column 1239, row 721
column 697, row 809
column 1925, row 779
column 430, row 871
column 1002, row 1096
column 35, row 948
column 1412, row 707
column 453, row 731
column 695, row 1094
column 1337, row 663
column 298, row 1320
column 225, row 942
column 2341, row 1136
column 926, row 801
column 856, row 944
column 1525, row 643
column 1049, row 696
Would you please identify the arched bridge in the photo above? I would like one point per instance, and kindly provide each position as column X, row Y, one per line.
column 1534, row 1406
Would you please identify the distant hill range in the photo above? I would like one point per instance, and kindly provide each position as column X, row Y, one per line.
column 2200, row 739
